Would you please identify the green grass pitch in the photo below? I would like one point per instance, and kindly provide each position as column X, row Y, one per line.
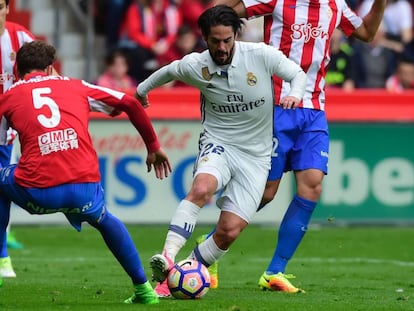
column 341, row 268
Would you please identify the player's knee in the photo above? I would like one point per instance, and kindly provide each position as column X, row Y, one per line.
column 200, row 194
column 318, row 190
column 311, row 192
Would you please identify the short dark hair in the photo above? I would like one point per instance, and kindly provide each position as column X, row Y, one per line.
column 35, row 55
column 7, row 2
column 219, row 15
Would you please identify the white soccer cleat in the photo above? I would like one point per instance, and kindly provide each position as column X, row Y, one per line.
column 160, row 265
column 6, row 268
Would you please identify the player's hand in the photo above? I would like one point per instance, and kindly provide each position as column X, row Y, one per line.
column 289, row 102
column 161, row 163
column 142, row 99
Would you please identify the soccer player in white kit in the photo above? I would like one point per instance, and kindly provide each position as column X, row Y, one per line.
column 235, row 81
column 302, row 29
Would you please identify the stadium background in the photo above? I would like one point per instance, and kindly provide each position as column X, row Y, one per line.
column 371, row 167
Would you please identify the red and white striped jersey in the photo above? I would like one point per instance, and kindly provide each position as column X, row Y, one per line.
column 51, row 115
column 302, row 29
column 11, row 40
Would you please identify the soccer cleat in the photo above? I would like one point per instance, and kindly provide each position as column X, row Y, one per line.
column 162, row 290
column 278, row 282
column 160, row 265
column 144, row 294
column 12, row 242
column 6, row 268
column 213, row 269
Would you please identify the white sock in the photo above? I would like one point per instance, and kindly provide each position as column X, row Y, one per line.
column 207, row 252
column 181, row 227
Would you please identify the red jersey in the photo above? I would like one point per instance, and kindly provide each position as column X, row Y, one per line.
column 146, row 25
column 11, row 41
column 51, row 115
column 302, row 30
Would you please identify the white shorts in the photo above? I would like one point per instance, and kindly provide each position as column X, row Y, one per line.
column 241, row 176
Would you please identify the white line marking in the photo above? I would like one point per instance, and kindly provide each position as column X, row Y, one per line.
column 346, row 260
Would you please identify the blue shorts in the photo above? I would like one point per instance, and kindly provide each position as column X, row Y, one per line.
column 5, row 154
column 78, row 202
column 300, row 141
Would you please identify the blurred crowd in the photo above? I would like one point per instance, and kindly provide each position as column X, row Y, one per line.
column 143, row 35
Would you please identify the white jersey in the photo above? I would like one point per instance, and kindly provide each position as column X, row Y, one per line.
column 302, row 30
column 236, row 106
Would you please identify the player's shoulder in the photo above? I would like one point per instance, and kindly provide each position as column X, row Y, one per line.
column 195, row 57
column 194, row 60
column 255, row 48
column 12, row 26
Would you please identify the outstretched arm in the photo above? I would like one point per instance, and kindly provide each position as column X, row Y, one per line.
column 156, row 156
column 156, row 79
column 112, row 102
column 371, row 22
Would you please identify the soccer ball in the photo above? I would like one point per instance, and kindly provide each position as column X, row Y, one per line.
column 188, row 279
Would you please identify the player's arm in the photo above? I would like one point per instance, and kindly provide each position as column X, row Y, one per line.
column 371, row 22
column 109, row 101
column 159, row 77
column 289, row 71
column 177, row 70
column 156, row 156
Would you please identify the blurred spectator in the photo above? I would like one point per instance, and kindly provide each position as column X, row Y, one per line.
column 107, row 17
column 340, row 69
column 403, row 79
column 149, row 29
column 115, row 75
column 187, row 41
column 115, row 13
column 371, row 62
column 191, row 10
column 397, row 25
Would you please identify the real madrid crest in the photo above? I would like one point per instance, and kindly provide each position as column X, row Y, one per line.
column 206, row 74
column 251, row 79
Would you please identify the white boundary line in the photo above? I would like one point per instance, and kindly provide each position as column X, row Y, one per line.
column 333, row 260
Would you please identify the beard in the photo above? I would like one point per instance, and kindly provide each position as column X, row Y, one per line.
column 222, row 58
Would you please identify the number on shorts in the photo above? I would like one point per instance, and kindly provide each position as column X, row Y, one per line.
column 275, row 144
column 211, row 148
